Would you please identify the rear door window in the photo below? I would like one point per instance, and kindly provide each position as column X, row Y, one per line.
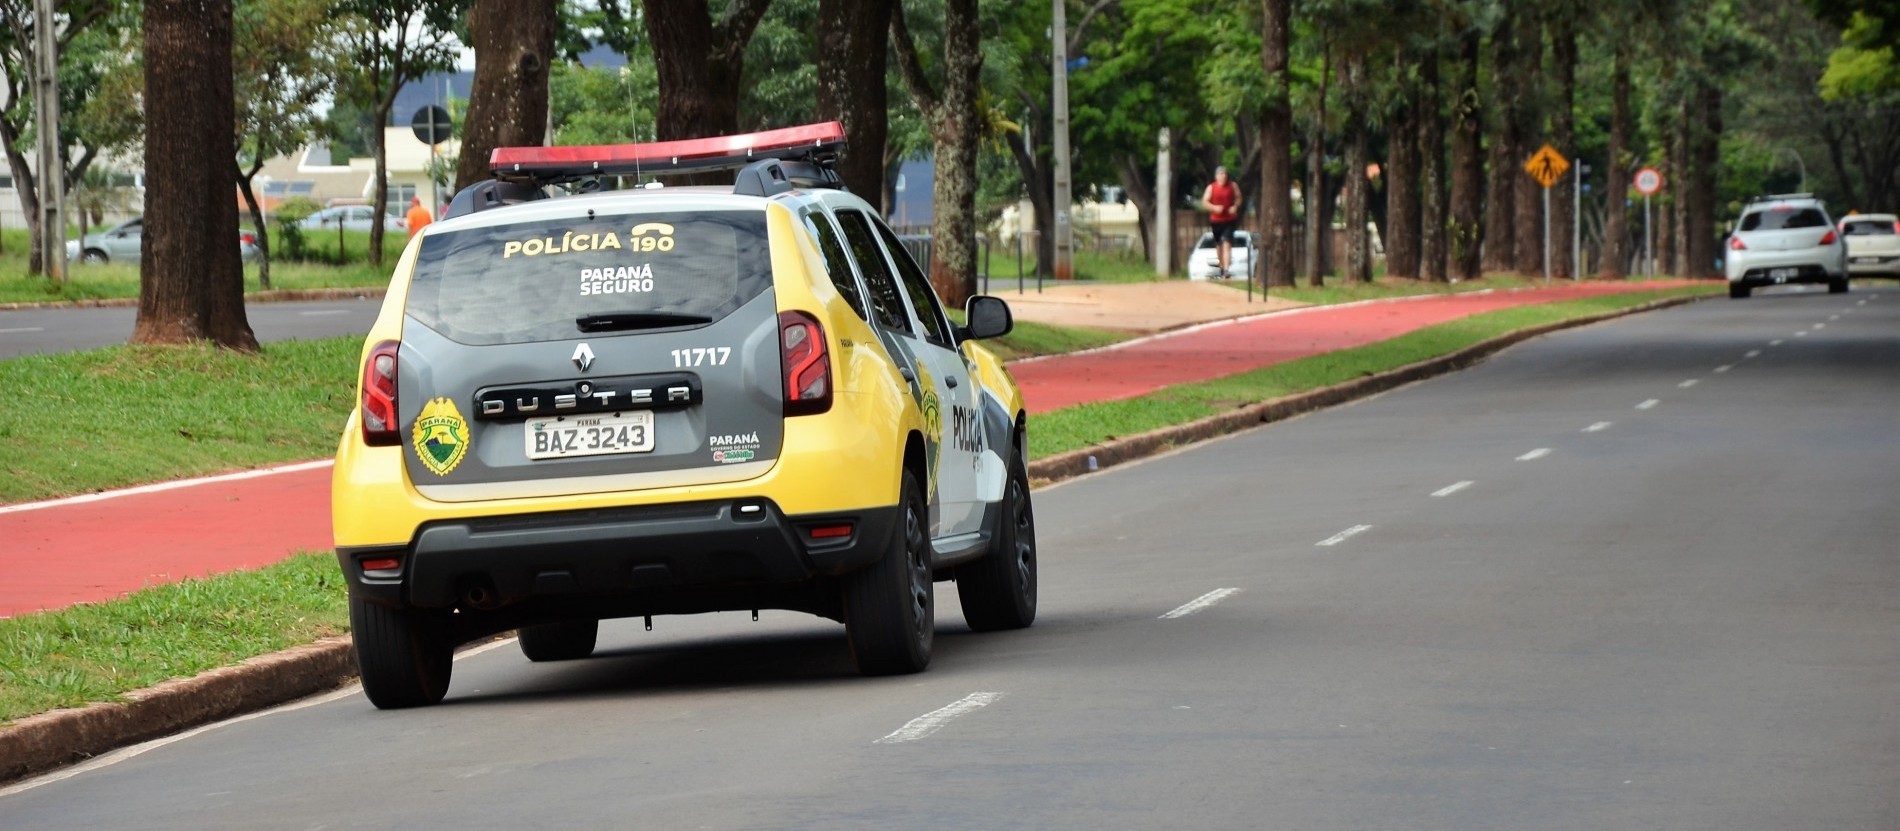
column 533, row 282
column 886, row 297
column 922, row 297
column 836, row 262
column 1784, row 219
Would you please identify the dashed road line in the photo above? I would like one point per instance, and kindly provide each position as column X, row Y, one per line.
column 1689, row 383
column 22, row 330
column 1724, row 368
column 324, row 312
column 1756, row 353
column 1818, row 326
column 928, row 723
column 1598, row 427
column 1801, row 334
column 1649, row 404
column 1452, row 488
column 1534, row 455
column 1199, row 603
column 1835, row 317
column 1777, row 342
column 1344, row 535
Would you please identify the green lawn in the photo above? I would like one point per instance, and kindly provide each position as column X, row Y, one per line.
column 121, row 280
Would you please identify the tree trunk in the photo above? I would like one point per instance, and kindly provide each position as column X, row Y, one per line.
column 1679, row 203
column 192, row 282
column 952, row 115
column 1500, row 217
column 1563, row 213
column 1466, row 234
column 1528, row 253
column 1038, row 179
column 508, row 103
column 1276, row 147
column 1431, row 170
column 244, row 179
column 379, row 201
column 1705, row 161
column 1401, row 184
column 1616, row 242
column 1132, row 171
column 1316, row 195
column 1358, row 243
column 851, row 64
column 29, row 192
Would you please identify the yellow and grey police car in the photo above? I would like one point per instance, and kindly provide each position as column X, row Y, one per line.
column 582, row 403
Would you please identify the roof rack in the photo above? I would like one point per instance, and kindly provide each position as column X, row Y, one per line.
column 812, row 143
column 1779, row 197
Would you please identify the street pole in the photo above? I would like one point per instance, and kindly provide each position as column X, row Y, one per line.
column 51, row 170
column 1649, row 253
column 1164, row 215
column 1547, row 235
column 1576, row 222
column 1064, row 265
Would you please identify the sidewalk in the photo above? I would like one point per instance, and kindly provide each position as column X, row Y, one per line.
column 100, row 546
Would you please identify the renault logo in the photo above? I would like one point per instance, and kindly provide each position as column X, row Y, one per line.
column 583, row 357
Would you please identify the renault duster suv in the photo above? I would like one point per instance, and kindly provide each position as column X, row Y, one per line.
column 581, row 403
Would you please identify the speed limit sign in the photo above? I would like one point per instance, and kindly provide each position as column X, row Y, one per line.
column 1648, row 181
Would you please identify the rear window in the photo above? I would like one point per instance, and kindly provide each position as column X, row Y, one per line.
column 1869, row 229
column 1783, row 218
column 530, row 282
column 1207, row 241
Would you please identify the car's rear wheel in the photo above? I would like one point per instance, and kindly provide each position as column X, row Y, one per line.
column 1737, row 291
column 890, row 606
column 999, row 591
column 93, row 256
column 405, row 656
column 1837, row 286
column 564, row 641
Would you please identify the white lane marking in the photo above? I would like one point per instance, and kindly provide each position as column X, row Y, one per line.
column 1834, row 317
column 325, row 312
column 1597, row 427
column 1200, row 603
column 22, row 329
column 1689, row 383
column 1649, row 404
column 1724, row 368
column 1861, row 303
column 1344, row 535
column 1452, row 488
column 1801, row 334
column 1777, row 342
column 1534, row 455
column 166, row 486
column 1755, row 353
column 126, row 753
column 1819, row 326
column 934, row 720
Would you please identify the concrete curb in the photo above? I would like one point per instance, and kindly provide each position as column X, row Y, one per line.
column 1078, row 462
column 273, row 296
column 41, row 743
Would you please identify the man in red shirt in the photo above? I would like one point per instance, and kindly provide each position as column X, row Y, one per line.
column 1223, row 213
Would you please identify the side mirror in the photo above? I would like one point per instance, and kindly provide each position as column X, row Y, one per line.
column 987, row 317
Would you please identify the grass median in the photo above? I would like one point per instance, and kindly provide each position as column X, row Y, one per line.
column 98, row 652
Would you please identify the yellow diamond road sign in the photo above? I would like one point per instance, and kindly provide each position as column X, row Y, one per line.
column 1546, row 165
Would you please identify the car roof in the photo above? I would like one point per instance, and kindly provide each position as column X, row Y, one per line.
column 1871, row 218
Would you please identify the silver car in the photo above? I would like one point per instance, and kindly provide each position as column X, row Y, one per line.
column 1784, row 239
column 352, row 218
column 122, row 243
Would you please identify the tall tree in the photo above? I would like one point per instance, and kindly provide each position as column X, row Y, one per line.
column 1528, row 116
column 1358, row 241
column 1563, row 72
column 1316, row 195
column 284, row 64
column 393, row 43
column 1402, row 249
column 1276, row 143
column 192, row 282
column 1432, row 250
column 1500, row 207
column 950, row 107
column 1616, row 253
column 851, row 49
column 702, row 63
column 508, row 102
column 1466, row 230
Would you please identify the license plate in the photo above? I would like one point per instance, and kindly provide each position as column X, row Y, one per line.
column 1779, row 274
column 600, row 434
column 1866, row 260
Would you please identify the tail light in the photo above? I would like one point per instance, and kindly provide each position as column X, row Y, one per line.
column 379, row 396
column 1830, row 238
column 248, row 238
column 1736, row 244
column 1896, row 227
column 807, row 364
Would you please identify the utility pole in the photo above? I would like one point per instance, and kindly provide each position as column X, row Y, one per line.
column 51, row 171
column 1064, row 265
column 1164, row 213
column 1576, row 223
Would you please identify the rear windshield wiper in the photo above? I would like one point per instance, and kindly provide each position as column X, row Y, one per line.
column 620, row 321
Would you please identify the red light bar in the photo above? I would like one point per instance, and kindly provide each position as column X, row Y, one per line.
column 696, row 153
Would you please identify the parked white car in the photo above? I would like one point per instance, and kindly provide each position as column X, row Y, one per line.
column 353, row 218
column 1204, row 262
column 1873, row 244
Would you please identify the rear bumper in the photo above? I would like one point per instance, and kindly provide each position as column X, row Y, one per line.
column 1887, row 265
column 1776, row 275
column 670, row 559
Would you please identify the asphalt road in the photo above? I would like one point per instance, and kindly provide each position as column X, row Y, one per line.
column 1639, row 575
column 32, row 331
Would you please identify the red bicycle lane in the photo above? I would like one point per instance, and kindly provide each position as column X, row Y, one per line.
column 101, row 546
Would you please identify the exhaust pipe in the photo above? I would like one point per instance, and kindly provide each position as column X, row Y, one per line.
column 480, row 596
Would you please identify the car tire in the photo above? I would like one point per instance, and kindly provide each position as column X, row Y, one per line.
column 564, row 641
column 405, row 657
column 1837, row 286
column 999, row 591
column 890, row 605
column 94, row 256
column 1737, row 291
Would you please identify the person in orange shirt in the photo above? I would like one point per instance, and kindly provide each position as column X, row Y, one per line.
column 1222, row 200
column 418, row 216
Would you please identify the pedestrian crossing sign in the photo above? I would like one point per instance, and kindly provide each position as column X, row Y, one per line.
column 1546, row 165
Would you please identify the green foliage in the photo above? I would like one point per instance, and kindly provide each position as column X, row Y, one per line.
column 603, row 105
column 1863, row 67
